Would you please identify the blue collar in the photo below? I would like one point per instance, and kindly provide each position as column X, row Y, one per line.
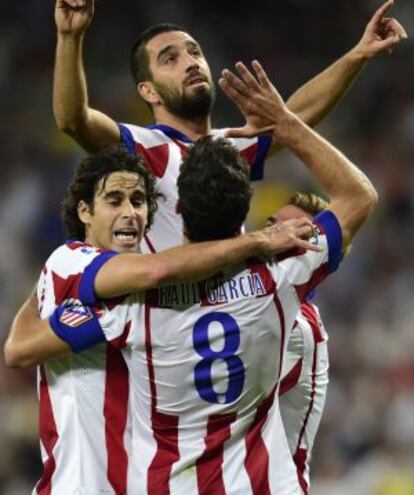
column 171, row 132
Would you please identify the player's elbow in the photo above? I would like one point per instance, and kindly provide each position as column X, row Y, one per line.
column 367, row 200
column 16, row 357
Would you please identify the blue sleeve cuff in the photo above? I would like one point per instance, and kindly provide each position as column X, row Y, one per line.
column 127, row 139
column 87, row 283
column 78, row 326
column 331, row 228
column 257, row 168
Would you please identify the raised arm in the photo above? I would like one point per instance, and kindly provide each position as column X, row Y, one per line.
column 313, row 101
column 90, row 128
column 351, row 194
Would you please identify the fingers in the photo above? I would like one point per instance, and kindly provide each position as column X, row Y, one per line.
column 247, row 76
column 234, row 95
column 74, row 4
column 238, row 132
column 261, row 75
column 391, row 25
column 234, row 82
column 379, row 14
column 300, row 243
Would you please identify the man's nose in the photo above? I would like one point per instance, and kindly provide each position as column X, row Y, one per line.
column 192, row 62
column 128, row 209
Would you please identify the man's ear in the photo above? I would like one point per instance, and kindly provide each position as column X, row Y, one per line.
column 84, row 212
column 148, row 92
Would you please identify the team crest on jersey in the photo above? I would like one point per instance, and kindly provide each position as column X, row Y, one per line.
column 74, row 316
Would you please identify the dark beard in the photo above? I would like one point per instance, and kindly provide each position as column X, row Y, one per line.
column 197, row 106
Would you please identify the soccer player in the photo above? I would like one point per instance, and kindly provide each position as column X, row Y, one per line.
column 84, row 398
column 305, row 377
column 205, row 360
column 174, row 79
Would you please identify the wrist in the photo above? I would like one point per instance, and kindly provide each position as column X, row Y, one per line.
column 258, row 243
column 285, row 128
column 70, row 37
column 359, row 55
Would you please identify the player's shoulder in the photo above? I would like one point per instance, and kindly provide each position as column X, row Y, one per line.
column 148, row 137
column 239, row 142
column 72, row 256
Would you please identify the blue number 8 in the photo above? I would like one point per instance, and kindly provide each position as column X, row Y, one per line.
column 202, row 371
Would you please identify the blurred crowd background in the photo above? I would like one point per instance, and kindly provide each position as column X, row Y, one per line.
column 366, row 441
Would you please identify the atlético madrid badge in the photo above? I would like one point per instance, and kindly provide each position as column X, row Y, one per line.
column 74, row 316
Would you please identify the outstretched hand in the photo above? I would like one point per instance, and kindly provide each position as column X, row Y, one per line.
column 382, row 34
column 257, row 99
column 290, row 234
column 73, row 16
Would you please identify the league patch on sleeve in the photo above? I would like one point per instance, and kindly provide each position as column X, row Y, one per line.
column 74, row 316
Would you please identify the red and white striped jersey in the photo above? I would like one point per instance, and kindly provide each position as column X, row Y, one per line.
column 304, row 386
column 205, row 363
column 83, row 397
column 163, row 149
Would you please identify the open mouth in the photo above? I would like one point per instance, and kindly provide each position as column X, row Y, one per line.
column 126, row 235
column 196, row 80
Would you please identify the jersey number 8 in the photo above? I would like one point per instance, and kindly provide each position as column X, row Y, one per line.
column 203, row 370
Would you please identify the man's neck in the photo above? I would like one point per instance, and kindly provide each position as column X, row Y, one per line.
column 193, row 129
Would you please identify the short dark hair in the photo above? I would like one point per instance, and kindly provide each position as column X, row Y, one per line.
column 87, row 176
column 139, row 59
column 214, row 190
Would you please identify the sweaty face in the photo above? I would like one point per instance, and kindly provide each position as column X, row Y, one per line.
column 181, row 75
column 119, row 215
column 287, row 212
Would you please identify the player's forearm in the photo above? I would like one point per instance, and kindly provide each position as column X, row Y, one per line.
column 70, row 96
column 90, row 128
column 318, row 97
column 351, row 193
column 31, row 340
column 129, row 272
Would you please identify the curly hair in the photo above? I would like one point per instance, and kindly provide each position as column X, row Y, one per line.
column 214, row 190
column 88, row 174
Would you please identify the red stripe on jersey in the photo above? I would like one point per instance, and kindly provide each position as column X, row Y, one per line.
column 309, row 312
column 164, row 427
column 318, row 275
column 120, row 341
column 149, row 244
column 292, row 378
column 165, row 430
column 257, row 457
column 156, row 157
column 290, row 254
column 48, row 435
column 209, row 465
column 281, row 315
column 300, row 454
column 249, row 153
column 116, row 414
column 257, row 266
column 65, row 288
column 299, row 458
column 183, row 148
